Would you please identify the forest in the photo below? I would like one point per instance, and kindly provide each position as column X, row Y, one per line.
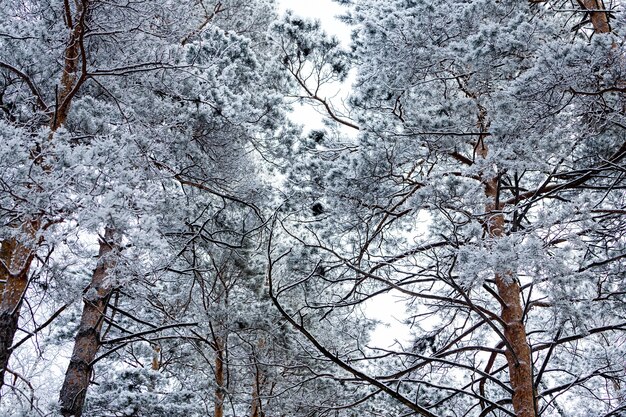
column 174, row 243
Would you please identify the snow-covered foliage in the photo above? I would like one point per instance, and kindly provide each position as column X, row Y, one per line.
column 158, row 209
column 486, row 186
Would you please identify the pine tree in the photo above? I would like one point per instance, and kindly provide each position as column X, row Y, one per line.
column 487, row 165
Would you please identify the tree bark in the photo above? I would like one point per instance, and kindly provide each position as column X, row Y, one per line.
column 257, row 383
column 87, row 341
column 74, row 60
column 519, row 357
column 599, row 19
column 156, row 357
column 256, row 401
column 15, row 261
column 219, row 378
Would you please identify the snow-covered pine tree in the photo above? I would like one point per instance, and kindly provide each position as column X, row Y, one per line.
column 170, row 104
column 486, row 188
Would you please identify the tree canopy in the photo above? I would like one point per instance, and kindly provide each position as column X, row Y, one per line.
column 173, row 245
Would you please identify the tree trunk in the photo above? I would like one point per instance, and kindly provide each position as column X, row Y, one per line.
column 257, row 383
column 73, row 61
column 518, row 352
column 87, row 341
column 256, row 401
column 156, row 357
column 599, row 19
column 219, row 378
column 15, row 259
column 519, row 356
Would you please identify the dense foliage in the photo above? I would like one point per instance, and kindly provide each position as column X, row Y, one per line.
column 172, row 245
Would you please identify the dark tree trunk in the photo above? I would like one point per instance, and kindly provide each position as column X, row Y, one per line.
column 219, row 378
column 87, row 341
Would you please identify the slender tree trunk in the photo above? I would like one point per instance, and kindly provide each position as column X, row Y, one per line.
column 16, row 254
column 219, row 378
column 519, row 357
column 256, row 401
column 87, row 341
column 75, row 64
column 257, row 383
column 156, row 357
